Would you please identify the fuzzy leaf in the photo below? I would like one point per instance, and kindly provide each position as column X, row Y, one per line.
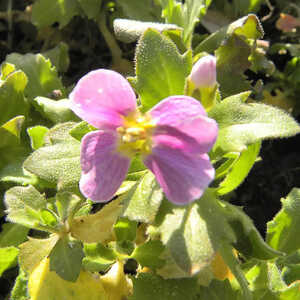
column 55, row 111
column 147, row 254
column 34, row 251
column 242, row 124
column 148, row 286
column 129, row 31
column 66, row 258
column 98, row 257
column 19, row 291
column 194, row 233
column 24, row 205
column 283, row 229
column 161, row 71
column 59, row 162
column 97, row 227
column 142, row 201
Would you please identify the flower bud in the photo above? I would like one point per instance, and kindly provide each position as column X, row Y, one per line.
column 204, row 72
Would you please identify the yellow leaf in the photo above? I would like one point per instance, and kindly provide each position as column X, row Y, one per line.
column 115, row 282
column 44, row 284
column 96, row 228
column 220, row 269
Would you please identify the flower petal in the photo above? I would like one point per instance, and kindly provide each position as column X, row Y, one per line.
column 101, row 97
column 183, row 178
column 181, row 122
column 103, row 169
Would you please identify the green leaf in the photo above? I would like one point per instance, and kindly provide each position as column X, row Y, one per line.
column 248, row 240
column 149, row 286
column 232, row 62
column 34, row 251
column 283, row 229
column 37, row 136
column 247, row 27
column 243, row 124
column 147, row 254
column 97, row 227
column 12, row 100
column 42, row 76
column 129, row 31
column 55, row 111
column 66, row 258
column 6, row 69
column 190, row 16
column 12, row 235
column 161, row 71
column 59, row 57
column 98, row 257
column 19, row 291
column 8, row 258
column 24, row 205
column 193, row 234
column 47, row 12
column 67, row 205
column 218, row 290
column 142, row 201
column 125, row 229
column 91, row 7
column 145, row 10
column 239, row 169
column 59, row 163
column 10, row 132
column 80, row 130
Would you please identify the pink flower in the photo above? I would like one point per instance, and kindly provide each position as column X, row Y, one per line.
column 204, row 72
column 173, row 139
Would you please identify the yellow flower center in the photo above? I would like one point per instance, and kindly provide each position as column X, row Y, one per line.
column 135, row 134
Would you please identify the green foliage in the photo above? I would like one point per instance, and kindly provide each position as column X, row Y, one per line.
column 58, row 162
column 149, row 286
column 24, row 206
column 8, row 258
column 184, row 15
column 42, row 75
column 148, row 254
column 45, row 13
column 91, row 8
column 34, row 251
column 242, row 124
column 19, row 291
column 284, row 227
column 55, row 111
column 98, row 257
column 12, row 100
column 129, row 31
column 160, row 69
column 239, row 169
column 140, row 10
column 193, row 234
column 12, row 235
column 37, row 136
column 66, row 258
column 142, row 201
